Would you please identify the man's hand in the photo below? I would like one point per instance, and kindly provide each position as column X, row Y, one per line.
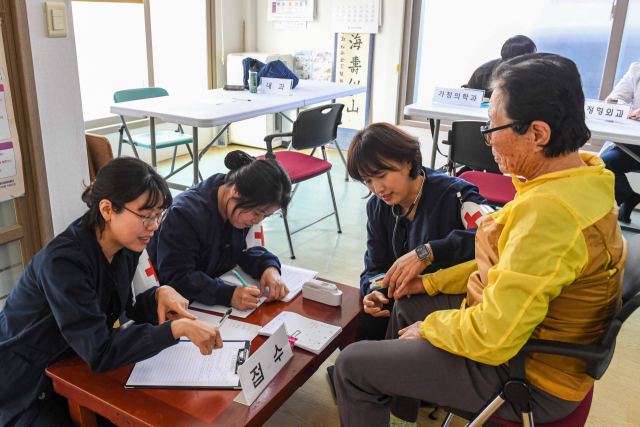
column 405, row 268
column 634, row 114
column 245, row 298
column 412, row 287
column 373, row 304
column 411, row 332
column 204, row 335
column 277, row 288
column 171, row 305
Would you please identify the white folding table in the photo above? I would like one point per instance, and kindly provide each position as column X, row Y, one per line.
column 221, row 108
column 620, row 133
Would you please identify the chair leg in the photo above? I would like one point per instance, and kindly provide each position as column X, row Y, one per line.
column 447, row 420
column 120, row 140
column 173, row 162
column 333, row 199
column 286, row 227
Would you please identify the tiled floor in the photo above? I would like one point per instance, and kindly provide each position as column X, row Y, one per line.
column 339, row 257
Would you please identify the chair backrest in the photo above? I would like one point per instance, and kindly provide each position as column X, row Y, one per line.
column 141, row 93
column 467, row 146
column 631, row 281
column 99, row 153
column 317, row 126
column 607, row 342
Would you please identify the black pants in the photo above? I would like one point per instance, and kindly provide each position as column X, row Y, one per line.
column 620, row 163
column 375, row 328
column 52, row 412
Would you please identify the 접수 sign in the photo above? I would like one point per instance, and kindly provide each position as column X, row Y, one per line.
column 464, row 97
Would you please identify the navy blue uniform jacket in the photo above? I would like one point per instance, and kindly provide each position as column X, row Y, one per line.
column 437, row 221
column 194, row 246
column 67, row 300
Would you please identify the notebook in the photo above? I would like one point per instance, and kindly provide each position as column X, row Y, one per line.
column 293, row 277
column 182, row 366
column 311, row 335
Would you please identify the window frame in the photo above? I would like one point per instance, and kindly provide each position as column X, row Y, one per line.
column 411, row 57
column 111, row 123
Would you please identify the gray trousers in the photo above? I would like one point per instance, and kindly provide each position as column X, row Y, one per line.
column 373, row 378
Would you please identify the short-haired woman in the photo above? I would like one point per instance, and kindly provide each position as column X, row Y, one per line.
column 204, row 233
column 75, row 289
column 415, row 222
column 549, row 265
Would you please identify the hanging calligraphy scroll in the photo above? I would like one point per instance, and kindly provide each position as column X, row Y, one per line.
column 353, row 65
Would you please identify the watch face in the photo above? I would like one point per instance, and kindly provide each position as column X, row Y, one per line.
column 422, row 251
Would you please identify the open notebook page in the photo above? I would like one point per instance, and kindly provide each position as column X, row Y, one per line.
column 183, row 366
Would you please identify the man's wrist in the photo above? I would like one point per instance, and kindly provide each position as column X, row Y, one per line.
column 424, row 254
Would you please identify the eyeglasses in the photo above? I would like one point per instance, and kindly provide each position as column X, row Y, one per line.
column 487, row 129
column 148, row 220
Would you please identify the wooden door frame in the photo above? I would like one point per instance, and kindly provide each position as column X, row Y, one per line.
column 33, row 211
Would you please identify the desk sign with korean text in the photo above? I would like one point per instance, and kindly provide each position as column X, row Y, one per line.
column 276, row 86
column 263, row 365
column 464, row 97
column 601, row 110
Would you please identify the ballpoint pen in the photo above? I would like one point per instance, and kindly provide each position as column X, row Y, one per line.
column 240, row 278
column 226, row 315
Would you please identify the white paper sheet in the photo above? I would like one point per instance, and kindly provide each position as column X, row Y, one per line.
column 312, row 335
column 232, row 329
column 183, row 366
column 293, row 277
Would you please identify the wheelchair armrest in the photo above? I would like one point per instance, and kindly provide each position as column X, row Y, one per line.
column 269, row 140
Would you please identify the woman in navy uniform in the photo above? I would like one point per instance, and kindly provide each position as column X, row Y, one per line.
column 75, row 289
column 414, row 223
column 204, row 234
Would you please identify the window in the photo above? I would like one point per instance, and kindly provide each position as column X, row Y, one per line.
column 630, row 48
column 126, row 44
column 111, row 50
column 446, row 52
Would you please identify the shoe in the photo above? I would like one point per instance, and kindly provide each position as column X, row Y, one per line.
column 624, row 213
column 397, row 422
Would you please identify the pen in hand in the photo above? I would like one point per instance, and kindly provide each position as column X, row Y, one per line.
column 224, row 318
column 240, row 278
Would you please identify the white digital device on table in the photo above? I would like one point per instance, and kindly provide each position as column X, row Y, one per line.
column 323, row 292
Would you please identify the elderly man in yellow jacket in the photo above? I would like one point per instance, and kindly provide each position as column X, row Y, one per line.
column 548, row 265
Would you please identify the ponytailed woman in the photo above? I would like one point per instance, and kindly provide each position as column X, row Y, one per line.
column 204, row 232
column 75, row 289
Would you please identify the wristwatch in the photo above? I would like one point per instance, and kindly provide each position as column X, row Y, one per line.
column 424, row 254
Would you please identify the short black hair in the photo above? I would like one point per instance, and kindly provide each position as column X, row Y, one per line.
column 516, row 46
column 545, row 87
column 260, row 182
column 374, row 147
column 121, row 181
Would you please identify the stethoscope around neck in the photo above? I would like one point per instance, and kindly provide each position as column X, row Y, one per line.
column 399, row 217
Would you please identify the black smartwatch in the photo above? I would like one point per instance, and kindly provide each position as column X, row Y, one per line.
column 424, row 254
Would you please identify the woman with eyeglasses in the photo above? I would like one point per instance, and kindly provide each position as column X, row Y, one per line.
column 75, row 289
column 415, row 222
column 203, row 235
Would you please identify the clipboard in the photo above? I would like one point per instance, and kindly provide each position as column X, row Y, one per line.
column 182, row 366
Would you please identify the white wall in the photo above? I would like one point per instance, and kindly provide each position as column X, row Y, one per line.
column 60, row 106
column 318, row 35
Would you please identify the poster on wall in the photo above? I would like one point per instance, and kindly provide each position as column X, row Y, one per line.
column 301, row 10
column 313, row 65
column 11, row 174
column 354, row 58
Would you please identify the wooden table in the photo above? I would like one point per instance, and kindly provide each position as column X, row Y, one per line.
column 90, row 393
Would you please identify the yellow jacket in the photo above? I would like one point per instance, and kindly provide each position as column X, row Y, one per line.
column 548, row 265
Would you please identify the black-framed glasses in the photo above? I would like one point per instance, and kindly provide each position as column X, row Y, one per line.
column 487, row 129
column 148, row 220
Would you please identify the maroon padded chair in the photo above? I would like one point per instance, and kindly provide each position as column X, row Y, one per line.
column 467, row 147
column 314, row 128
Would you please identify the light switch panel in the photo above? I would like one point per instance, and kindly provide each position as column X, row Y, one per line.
column 56, row 19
